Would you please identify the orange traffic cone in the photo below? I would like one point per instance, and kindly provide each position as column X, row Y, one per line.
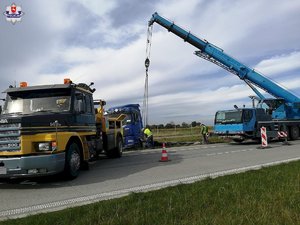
column 164, row 154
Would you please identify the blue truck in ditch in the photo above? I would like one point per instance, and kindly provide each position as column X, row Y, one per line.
column 281, row 113
column 132, row 124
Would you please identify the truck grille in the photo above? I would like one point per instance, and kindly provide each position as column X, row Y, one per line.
column 10, row 137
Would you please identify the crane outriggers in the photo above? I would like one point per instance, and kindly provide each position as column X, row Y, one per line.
column 278, row 114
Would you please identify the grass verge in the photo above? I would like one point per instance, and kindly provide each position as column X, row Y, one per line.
column 190, row 139
column 180, row 135
column 267, row 196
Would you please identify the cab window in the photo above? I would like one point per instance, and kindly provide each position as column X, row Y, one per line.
column 88, row 103
column 247, row 115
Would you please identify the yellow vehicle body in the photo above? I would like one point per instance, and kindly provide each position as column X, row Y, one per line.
column 41, row 142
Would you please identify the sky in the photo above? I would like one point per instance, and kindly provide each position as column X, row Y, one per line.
column 104, row 41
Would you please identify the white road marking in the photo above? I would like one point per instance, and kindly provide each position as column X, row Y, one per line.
column 229, row 152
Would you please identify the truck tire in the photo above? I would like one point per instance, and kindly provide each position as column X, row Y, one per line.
column 118, row 150
column 236, row 140
column 73, row 161
column 294, row 132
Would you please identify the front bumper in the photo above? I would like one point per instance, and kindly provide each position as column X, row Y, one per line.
column 31, row 166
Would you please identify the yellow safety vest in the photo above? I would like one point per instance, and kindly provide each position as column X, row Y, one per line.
column 147, row 132
column 204, row 130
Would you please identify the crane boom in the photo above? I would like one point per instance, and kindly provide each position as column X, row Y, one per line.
column 216, row 55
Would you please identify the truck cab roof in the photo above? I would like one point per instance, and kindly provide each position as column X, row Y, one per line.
column 81, row 86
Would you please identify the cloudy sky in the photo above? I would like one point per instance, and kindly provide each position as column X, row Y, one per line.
column 104, row 41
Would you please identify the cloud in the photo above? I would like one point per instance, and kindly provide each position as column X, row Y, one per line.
column 27, row 46
column 130, row 12
column 280, row 64
column 99, row 7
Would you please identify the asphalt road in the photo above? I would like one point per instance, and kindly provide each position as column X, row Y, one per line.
column 137, row 171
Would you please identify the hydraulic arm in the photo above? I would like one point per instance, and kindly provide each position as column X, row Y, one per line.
column 216, row 55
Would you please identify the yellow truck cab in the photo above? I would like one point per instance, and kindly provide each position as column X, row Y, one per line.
column 49, row 129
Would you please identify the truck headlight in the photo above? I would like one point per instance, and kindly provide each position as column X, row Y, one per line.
column 46, row 146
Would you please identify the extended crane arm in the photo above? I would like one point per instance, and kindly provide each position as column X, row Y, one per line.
column 216, row 55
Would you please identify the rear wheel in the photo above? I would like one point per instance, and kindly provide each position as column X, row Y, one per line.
column 118, row 150
column 294, row 132
column 73, row 161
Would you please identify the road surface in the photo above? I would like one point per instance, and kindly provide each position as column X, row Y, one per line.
column 137, row 171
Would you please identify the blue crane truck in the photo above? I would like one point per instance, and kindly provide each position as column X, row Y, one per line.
column 278, row 114
column 132, row 124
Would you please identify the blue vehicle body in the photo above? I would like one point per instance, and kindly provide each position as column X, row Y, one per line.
column 132, row 125
column 241, row 123
column 283, row 110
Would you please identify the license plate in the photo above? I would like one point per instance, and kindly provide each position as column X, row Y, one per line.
column 3, row 170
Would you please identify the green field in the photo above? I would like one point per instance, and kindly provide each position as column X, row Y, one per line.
column 191, row 134
column 267, row 196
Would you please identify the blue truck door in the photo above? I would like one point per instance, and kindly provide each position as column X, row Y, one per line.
column 249, row 119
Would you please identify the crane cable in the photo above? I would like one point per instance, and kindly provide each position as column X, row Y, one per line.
column 147, row 63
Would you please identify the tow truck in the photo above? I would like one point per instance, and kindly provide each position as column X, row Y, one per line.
column 49, row 129
column 277, row 115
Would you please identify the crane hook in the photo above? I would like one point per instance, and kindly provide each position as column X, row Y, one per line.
column 147, row 63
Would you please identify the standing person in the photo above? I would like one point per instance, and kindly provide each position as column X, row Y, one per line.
column 204, row 133
column 149, row 137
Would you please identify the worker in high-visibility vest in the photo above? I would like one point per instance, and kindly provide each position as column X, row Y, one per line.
column 149, row 137
column 204, row 133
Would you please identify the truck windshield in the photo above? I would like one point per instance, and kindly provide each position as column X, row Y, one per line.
column 28, row 102
column 226, row 117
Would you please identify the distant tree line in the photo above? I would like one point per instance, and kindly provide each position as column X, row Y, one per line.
column 173, row 125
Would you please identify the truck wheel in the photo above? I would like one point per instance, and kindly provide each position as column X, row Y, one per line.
column 237, row 140
column 294, row 133
column 141, row 145
column 118, row 150
column 72, row 165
